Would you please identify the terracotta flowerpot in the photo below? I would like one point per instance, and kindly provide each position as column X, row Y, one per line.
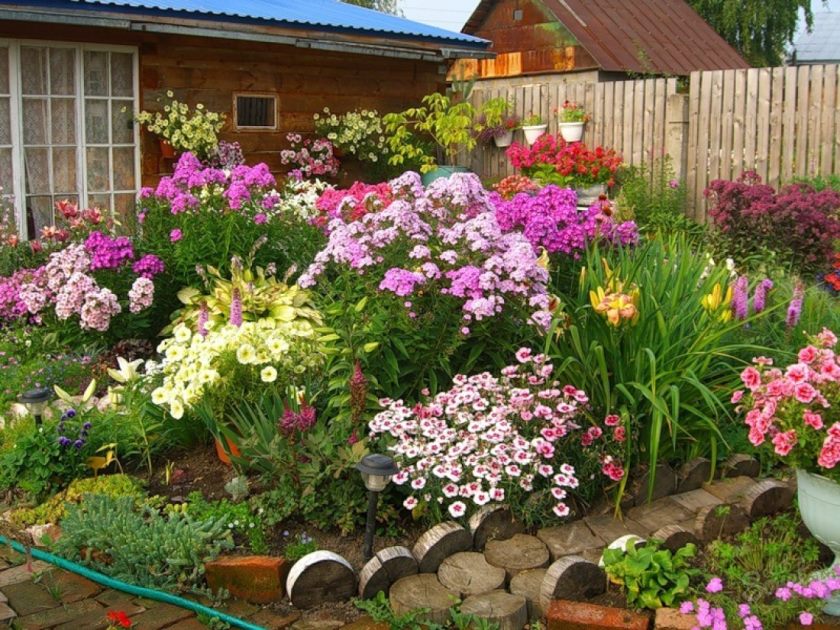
column 166, row 149
column 222, row 454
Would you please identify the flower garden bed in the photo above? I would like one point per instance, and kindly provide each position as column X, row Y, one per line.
column 531, row 368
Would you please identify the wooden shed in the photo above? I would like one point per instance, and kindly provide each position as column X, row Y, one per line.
column 72, row 72
column 590, row 40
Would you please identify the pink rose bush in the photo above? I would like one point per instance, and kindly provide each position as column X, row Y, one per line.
column 492, row 439
column 790, row 410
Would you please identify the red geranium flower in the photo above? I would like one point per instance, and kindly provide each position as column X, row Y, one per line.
column 119, row 618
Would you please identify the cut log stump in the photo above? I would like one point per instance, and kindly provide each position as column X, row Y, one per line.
column 468, row 573
column 517, row 554
column 440, row 542
column 509, row 612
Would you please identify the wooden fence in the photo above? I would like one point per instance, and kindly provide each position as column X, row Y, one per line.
column 783, row 123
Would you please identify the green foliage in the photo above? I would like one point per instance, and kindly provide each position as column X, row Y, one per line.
column 650, row 577
column 385, row 6
column 54, row 509
column 143, row 547
column 669, row 373
column 379, row 609
column 310, row 472
column 768, row 555
column 655, row 199
column 451, row 123
column 821, row 182
column 37, row 465
column 239, row 518
column 302, row 545
column 759, row 29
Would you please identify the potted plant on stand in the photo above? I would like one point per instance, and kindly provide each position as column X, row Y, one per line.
column 450, row 122
column 573, row 118
column 181, row 129
column 791, row 414
column 533, row 127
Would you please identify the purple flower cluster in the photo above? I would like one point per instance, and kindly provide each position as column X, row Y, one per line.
column 194, row 186
column 301, row 420
column 445, row 240
column 14, row 297
column 760, row 295
column 550, row 219
column 741, row 298
column 107, row 252
column 148, row 266
column 82, row 436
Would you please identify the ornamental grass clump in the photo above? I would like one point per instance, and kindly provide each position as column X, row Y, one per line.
column 790, row 411
column 493, row 439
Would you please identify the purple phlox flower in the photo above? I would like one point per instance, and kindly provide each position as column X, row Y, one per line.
column 760, row 296
column 236, row 308
column 794, row 311
column 203, row 315
column 806, row 618
column 687, row 607
column 740, row 298
column 175, row 235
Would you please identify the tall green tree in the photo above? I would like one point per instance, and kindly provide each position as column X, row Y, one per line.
column 386, row 6
column 758, row 29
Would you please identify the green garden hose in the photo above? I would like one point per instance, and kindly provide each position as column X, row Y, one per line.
column 139, row 591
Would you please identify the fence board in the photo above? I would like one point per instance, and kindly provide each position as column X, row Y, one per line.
column 762, row 147
column 812, row 166
column 801, row 136
column 774, row 167
column 789, row 124
column 782, row 122
column 827, row 127
column 714, row 126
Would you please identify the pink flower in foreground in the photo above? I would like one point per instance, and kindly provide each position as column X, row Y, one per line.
column 806, row 618
column 715, row 585
column 175, row 235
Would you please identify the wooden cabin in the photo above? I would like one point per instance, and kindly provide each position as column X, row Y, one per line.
column 73, row 72
column 592, row 40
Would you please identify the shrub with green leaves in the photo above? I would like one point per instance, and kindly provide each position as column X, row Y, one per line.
column 240, row 519
column 142, row 546
column 650, row 577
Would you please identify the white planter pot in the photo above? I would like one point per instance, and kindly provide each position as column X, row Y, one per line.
column 588, row 195
column 532, row 132
column 571, row 131
column 504, row 140
column 819, row 504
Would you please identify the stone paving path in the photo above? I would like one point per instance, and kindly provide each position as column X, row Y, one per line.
column 41, row 596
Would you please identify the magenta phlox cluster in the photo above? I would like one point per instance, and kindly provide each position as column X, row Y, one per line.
column 486, row 440
column 445, row 239
column 352, row 203
column 194, row 186
column 108, row 252
column 550, row 219
column 789, row 409
column 71, row 283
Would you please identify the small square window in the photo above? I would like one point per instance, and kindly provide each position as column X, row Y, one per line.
column 255, row 111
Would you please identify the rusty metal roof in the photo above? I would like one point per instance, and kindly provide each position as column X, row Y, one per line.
column 645, row 36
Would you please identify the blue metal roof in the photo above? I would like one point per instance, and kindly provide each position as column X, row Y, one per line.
column 326, row 14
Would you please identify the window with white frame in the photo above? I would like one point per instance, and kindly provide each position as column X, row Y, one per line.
column 71, row 133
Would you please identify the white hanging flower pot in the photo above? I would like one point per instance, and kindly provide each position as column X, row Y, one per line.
column 504, row 140
column 572, row 131
column 532, row 132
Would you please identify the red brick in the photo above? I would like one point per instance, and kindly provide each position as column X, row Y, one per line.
column 568, row 615
column 673, row 619
column 257, row 579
